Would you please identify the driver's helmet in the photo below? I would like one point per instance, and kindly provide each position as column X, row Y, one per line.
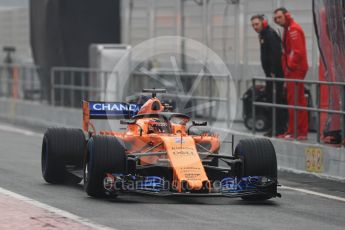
column 157, row 126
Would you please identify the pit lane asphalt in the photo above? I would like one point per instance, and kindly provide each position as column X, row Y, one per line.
column 20, row 173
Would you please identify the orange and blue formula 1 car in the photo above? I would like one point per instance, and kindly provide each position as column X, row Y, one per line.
column 156, row 154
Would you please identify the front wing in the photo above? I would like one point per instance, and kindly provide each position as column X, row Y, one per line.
column 227, row 187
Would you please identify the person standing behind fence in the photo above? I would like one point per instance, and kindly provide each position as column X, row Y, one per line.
column 271, row 52
column 295, row 66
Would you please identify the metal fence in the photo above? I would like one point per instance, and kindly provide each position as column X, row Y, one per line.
column 20, row 82
column 222, row 25
column 315, row 109
column 69, row 86
column 208, row 99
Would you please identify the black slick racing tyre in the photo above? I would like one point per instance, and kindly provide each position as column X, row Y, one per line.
column 259, row 159
column 105, row 154
column 62, row 147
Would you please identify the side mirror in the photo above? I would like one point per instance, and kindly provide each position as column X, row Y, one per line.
column 127, row 122
column 168, row 107
column 199, row 123
column 132, row 122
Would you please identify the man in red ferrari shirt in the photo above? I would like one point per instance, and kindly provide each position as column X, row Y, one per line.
column 295, row 66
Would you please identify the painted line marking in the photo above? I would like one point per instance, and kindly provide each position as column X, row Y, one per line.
column 12, row 129
column 314, row 193
column 54, row 210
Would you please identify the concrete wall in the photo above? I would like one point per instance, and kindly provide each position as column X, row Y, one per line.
column 15, row 31
column 307, row 158
column 320, row 160
column 38, row 115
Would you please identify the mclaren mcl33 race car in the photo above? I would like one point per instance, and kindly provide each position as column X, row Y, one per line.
column 158, row 153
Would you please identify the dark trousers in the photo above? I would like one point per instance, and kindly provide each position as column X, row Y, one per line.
column 281, row 114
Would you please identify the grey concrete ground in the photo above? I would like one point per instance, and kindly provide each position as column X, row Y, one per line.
column 20, row 173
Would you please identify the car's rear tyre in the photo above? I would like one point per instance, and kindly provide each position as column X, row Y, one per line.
column 62, row 147
column 259, row 159
column 105, row 154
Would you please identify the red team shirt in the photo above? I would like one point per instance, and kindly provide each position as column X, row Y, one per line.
column 294, row 58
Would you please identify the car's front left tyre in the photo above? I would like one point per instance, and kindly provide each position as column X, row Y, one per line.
column 105, row 154
column 259, row 159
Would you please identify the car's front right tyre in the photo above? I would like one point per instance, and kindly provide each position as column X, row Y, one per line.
column 62, row 147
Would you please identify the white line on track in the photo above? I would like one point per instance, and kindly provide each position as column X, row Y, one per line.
column 54, row 210
column 8, row 128
column 314, row 193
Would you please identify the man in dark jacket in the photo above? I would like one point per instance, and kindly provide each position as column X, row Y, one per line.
column 271, row 52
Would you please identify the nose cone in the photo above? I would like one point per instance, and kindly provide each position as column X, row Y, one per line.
column 195, row 186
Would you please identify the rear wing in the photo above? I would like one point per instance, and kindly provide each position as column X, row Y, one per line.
column 107, row 110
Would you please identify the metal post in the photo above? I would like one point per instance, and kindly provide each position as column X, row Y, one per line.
column 83, row 85
column 315, row 57
column 103, row 87
column 22, row 81
column 343, row 116
column 210, row 100
column 295, row 112
column 318, row 113
column 61, row 89
column 244, row 50
column 72, row 89
column 206, row 30
column 152, row 15
column 204, row 22
column 38, row 73
column 117, row 75
column 253, row 108
column 1, row 82
column 247, row 83
column 228, row 101
column 274, row 101
column 103, row 96
column 129, row 22
column 32, row 83
column 232, row 144
column 52, row 89
column 182, row 33
column 152, row 24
